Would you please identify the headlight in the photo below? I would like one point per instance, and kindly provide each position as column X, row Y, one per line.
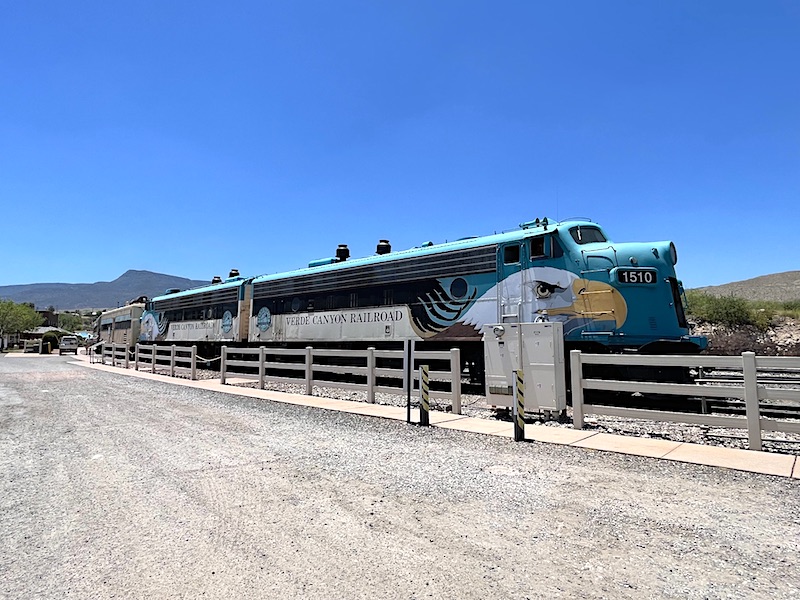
column 673, row 253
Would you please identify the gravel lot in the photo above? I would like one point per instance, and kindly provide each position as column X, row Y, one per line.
column 116, row 487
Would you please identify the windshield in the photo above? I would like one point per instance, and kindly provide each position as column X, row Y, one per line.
column 587, row 235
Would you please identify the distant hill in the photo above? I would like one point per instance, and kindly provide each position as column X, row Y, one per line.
column 103, row 294
column 779, row 287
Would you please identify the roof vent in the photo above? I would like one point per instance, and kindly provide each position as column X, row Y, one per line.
column 173, row 291
column 233, row 273
column 342, row 252
column 384, row 247
column 216, row 279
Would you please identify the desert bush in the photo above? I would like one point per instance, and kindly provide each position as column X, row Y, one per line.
column 791, row 308
column 730, row 311
column 51, row 338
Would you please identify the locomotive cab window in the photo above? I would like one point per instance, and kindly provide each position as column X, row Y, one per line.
column 538, row 248
column 587, row 235
column 511, row 255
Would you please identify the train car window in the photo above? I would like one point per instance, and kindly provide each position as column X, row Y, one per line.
column 587, row 235
column 511, row 255
column 538, row 248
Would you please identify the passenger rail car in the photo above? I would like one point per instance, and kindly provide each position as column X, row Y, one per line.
column 610, row 297
column 121, row 325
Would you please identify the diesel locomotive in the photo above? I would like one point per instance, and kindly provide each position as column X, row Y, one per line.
column 609, row 297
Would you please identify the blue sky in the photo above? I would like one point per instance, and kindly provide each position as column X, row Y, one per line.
column 189, row 138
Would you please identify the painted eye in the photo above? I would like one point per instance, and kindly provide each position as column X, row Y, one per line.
column 543, row 289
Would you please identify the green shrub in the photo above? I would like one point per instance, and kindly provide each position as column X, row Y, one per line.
column 791, row 308
column 51, row 338
column 730, row 311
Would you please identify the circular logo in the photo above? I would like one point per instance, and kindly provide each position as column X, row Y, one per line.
column 458, row 287
column 264, row 319
column 227, row 321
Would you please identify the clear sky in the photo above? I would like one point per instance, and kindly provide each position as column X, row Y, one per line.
column 190, row 138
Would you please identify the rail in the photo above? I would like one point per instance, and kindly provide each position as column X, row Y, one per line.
column 32, row 346
column 172, row 357
column 375, row 371
column 116, row 354
column 752, row 386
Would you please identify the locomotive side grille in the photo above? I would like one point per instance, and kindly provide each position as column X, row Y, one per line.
column 227, row 296
column 450, row 264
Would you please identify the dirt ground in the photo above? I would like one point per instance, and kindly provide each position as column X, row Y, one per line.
column 115, row 487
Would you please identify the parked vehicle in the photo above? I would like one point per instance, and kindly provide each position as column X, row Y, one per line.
column 68, row 343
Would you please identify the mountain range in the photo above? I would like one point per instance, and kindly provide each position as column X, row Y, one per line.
column 778, row 287
column 102, row 294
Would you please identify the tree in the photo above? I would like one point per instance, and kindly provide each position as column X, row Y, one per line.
column 70, row 321
column 16, row 318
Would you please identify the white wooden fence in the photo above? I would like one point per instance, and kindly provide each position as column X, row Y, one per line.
column 311, row 366
column 321, row 366
column 117, row 355
column 746, row 385
column 32, row 346
column 172, row 357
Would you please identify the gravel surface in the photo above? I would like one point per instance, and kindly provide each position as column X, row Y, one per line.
column 475, row 406
column 117, row 487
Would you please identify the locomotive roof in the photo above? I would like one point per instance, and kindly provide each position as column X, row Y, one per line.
column 228, row 283
column 526, row 230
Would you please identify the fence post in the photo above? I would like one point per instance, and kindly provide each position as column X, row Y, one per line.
column 262, row 368
column 136, row 358
column 424, row 391
column 371, row 375
column 127, row 356
column 455, row 380
column 751, row 400
column 576, row 376
column 408, row 357
column 519, row 406
column 153, row 355
column 172, row 361
column 309, row 371
column 223, row 364
column 407, row 367
column 194, row 363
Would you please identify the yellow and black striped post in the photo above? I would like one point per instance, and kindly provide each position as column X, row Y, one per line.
column 519, row 416
column 424, row 405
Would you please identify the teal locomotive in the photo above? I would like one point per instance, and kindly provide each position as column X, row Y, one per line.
column 610, row 297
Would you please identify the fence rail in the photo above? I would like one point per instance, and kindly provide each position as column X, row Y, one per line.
column 322, row 366
column 32, row 346
column 172, row 357
column 376, row 371
column 752, row 386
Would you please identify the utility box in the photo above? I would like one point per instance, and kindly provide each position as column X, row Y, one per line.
column 535, row 348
